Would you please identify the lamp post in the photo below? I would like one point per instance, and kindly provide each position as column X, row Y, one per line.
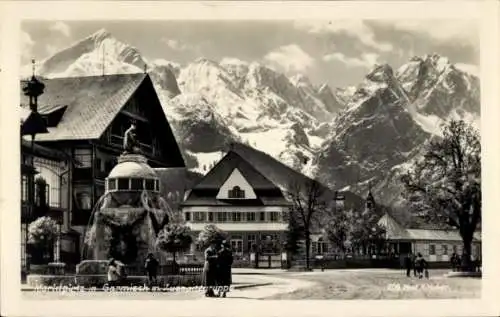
column 33, row 125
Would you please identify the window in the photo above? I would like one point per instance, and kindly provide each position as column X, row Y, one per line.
column 237, row 245
column 150, row 184
column 236, row 216
column 262, row 216
column 251, row 241
column 24, row 188
column 199, row 216
column 111, row 184
column 41, row 193
column 432, row 249
column 445, row 249
column 236, row 192
column 321, row 246
column 83, row 197
column 136, row 183
column 274, row 216
column 211, row 216
column 123, row 183
column 83, row 157
column 157, row 185
column 187, row 216
column 221, row 216
column 250, row 216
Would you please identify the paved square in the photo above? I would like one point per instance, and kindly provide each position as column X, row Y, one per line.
column 330, row 284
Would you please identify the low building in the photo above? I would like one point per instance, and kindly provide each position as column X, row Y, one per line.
column 435, row 245
column 241, row 201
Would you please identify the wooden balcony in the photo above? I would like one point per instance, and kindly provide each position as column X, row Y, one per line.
column 116, row 140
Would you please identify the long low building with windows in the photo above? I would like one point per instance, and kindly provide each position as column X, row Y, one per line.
column 435, row 245
column 241, row 201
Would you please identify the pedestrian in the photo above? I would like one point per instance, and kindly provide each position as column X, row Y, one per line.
column 420, row 265
column 151, row 265
column 408, row 264
column 453, row 261
column 224, row 263
column 413, row 264
column 113, row 273
column 210, row 270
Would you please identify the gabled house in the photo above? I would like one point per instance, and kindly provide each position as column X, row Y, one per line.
column 243, row 202
column 87, row 117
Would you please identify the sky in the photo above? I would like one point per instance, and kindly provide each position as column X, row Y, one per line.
column 337, row 52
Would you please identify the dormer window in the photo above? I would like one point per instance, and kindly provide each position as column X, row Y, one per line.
column 236, row 192
column 53, row 115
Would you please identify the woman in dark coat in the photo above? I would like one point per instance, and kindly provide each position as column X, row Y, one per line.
column 225, row 261
column 210, row 270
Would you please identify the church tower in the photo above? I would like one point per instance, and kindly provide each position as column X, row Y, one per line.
column 370, row 201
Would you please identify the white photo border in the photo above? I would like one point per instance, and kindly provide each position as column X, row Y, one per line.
column 11, row 15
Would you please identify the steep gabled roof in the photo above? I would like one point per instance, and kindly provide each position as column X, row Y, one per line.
column 205, row 191
column 216, row 177
column 92, row 103
column 285, row 177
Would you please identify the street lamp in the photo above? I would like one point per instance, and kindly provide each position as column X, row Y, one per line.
column 33, row 125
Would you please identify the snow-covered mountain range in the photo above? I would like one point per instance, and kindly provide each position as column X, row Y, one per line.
column 344, row 136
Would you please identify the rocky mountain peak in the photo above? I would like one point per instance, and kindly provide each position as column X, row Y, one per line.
column 100, row 35
column 301, row 80
column 365, row 131
column 381, row 73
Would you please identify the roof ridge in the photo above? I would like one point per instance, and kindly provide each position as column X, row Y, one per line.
column 238, row 157
column 90, row 76
column 130, row 92
column 254, row 168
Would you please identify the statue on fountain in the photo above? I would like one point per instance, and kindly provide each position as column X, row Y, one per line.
column 130, row 142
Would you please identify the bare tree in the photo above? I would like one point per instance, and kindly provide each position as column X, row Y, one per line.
column 307, row 204
column 445, row 186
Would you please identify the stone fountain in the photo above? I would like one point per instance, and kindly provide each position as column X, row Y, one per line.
column 126, row 220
